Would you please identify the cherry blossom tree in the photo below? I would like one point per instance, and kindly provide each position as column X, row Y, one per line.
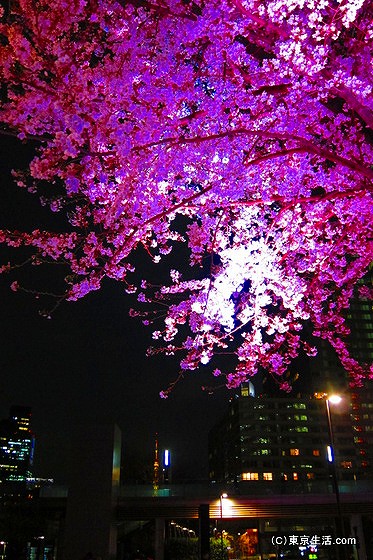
column 241, row 128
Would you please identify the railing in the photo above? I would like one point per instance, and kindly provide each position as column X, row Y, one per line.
column 259, row 489
column 208, row 490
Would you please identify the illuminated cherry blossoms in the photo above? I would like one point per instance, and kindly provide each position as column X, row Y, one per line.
column 242, row 128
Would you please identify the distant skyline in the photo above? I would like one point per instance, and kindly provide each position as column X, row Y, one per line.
column 89, row 361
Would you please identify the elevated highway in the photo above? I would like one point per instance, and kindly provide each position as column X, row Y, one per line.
column 137, row 504
column 276, row 506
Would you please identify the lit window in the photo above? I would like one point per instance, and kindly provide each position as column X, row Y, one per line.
column 316, row 452
column 294, row 452
column 301, row 417
column 295, row 476
column 310, row 476
column 346, row 464
column 301, row 429
column 250, row 476
column 267, row 476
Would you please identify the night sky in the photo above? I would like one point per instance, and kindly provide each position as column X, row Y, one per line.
column 89, row 362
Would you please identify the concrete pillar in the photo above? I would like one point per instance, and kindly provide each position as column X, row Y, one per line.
column 159, row 536
column 204, row 531
column 93, row 492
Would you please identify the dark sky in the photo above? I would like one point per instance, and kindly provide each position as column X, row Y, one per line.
column 88, row 361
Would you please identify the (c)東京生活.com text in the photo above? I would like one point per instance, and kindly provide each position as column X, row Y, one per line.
column 311, row 540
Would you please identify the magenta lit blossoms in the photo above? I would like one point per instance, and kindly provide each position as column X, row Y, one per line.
column 242, row 129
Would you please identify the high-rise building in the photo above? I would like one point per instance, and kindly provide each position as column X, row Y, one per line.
column 282, row 439
column 362, row 428
column 16, row 446
column 326, row 371
column 280, row 443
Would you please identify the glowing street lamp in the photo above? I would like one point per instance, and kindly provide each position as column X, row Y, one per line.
column 222, row 497
column 333, row 400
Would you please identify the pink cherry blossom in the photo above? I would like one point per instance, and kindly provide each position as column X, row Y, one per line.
column 241, row 129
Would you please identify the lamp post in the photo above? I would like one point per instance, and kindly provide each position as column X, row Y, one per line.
column 222, row 496
column 334, row 400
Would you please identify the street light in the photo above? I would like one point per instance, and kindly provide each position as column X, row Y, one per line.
column 222, row 497
column 334, row 400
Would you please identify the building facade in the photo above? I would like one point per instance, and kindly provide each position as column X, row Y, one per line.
column 16, row 447
column 326, row 370
column 281, row 444
column 283, row 441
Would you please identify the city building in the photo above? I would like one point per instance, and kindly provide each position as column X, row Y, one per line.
column 362, row 429
column 281, row 444
column 282, row 441
column 326, row 370
column 16, row 447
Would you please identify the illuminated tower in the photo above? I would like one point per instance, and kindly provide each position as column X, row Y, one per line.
column 16, row 446
column 156, row 466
